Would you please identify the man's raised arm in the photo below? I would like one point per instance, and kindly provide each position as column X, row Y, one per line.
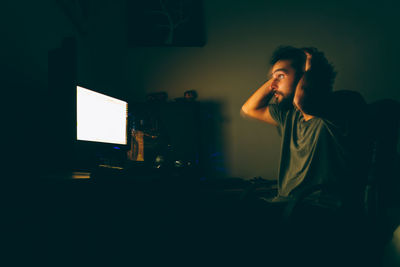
column 257, row 105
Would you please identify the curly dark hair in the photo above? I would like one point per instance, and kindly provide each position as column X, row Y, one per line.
column 322, row 72
column 295, row 55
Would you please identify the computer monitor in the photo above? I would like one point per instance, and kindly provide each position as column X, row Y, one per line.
column 100, row 118
column 101, row 130
column 84, row 125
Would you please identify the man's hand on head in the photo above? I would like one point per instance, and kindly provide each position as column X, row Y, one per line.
column 298, row 100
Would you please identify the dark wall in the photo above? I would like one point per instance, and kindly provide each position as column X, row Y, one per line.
column 359, row 37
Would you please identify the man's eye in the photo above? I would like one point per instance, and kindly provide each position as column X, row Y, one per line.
column 281, row 76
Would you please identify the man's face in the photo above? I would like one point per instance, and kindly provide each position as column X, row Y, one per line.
column 283, row 81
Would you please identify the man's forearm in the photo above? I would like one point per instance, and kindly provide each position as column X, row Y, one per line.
column 259, row 99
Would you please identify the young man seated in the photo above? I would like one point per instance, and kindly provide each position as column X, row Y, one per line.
column 319, row 143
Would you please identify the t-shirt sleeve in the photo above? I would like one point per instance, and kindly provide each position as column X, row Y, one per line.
column 277, row 113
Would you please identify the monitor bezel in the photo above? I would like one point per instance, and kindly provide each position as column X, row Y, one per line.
column 87, row 154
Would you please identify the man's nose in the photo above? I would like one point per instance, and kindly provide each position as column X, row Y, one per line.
column 274, row 84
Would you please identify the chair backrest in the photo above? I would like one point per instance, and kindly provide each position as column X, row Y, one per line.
column 353, row 110
column 384, row 117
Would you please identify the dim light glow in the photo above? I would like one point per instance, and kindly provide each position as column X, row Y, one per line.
column 396, row 240
column 101, row 118
column 80, row 175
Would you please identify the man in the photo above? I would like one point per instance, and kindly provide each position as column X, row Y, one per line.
column 316, row 144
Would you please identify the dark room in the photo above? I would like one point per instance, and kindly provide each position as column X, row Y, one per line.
column 187, row 133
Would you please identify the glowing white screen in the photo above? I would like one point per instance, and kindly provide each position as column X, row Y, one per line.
column 100, row 118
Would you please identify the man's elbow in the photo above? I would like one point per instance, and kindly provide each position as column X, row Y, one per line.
column 261, row 115
column 249, row 113
column 244, row 112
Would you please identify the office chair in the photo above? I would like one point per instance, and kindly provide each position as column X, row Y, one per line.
column 382, row 190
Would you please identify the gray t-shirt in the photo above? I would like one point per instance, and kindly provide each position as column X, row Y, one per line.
column 312, row 152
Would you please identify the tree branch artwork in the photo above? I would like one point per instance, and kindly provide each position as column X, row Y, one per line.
column 166, row 23
column 174, row 18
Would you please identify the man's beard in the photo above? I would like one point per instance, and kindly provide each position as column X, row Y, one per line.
column 286, row 102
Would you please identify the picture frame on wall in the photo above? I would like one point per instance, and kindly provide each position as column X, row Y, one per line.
column 165, row 23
